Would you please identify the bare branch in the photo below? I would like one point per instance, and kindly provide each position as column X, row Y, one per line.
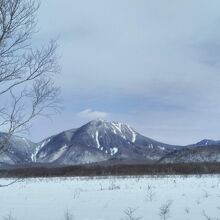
column 11, row 183
column 25, row 72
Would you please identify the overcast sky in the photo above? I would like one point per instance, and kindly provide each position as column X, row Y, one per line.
column 153, row 64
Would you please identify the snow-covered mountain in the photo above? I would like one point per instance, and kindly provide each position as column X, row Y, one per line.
column 204, row 151
column 206, row 142
column 195, row 154
column 96, row 141
column 18, row 151
column 101, row 140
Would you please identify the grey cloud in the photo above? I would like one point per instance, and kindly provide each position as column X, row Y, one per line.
column 157, row 58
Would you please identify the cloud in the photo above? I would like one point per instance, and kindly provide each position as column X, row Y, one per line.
column 90, row 114
column 145, row 62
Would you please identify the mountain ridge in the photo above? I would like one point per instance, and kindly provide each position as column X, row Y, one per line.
column 96, row 141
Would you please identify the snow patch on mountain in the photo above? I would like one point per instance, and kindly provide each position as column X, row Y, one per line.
column 134, row 134
column 113, row 151
column 162, row 148
column 97, row 139
column 150, row 146
column 38, row 148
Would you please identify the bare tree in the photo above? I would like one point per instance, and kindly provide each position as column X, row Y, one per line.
column 206, row 194
column 187, row 210
column 150, row 193
column 26, row 86
column 9, row 217
column 68, row 216
column 164, row 210
column 208, row 217
column 130, row 214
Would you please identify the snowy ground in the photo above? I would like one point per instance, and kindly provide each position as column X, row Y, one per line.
column 109, row 198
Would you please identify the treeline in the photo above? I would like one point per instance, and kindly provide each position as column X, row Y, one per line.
column 113, row 170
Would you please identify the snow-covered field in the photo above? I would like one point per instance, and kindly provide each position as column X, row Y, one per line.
column 184, row 198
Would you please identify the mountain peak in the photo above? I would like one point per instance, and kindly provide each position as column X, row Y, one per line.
column 117, row 128
column 99, row 120
column 110, row 123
